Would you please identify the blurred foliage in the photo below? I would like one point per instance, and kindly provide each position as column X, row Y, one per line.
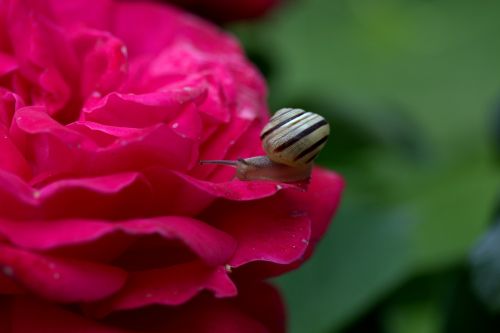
column 485, row 262
column 410, row 88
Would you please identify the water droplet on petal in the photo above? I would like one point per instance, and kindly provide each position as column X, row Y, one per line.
column 297, row 213
column 8, row 271
column 124, row 50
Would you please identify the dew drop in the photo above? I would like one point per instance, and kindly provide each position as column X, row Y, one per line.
column 124, row 50
column 297, row 213
column 8, row 271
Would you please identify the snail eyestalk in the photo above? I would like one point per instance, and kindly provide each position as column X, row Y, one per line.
column 220, row 162
column 262, row 168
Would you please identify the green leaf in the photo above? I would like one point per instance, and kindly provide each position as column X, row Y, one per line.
column 346, row 271
column 485, row 262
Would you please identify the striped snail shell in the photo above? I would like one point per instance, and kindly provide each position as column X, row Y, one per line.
column 292, row 139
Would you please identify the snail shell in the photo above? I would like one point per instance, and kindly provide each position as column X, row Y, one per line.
column 294, row 137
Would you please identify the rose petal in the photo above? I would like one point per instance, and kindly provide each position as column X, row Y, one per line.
column 206, row 314
column 270, row 229
column 264, row 302
column 228, row 10
column 104, row 61
column 211, row 245
column 140, row 110
column 177, row 193
column 318, row 204
column 46, row 59
column 217, row 146
column 61, row 279
column 51, row 147
column 56, row 150
column 321, row 200
column 169, row 286
column 30, row 315
column 169, row 26
column 76, row 12
column 7, row 64
column 9, row 103
column 11, row 160
column 5, row 313
column 7, row 286
column 16, row 196
column 122, row 195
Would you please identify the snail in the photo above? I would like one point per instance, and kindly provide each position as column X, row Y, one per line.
column 292, row 140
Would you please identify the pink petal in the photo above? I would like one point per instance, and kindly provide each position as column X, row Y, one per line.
column 264, row 302
column 7, row 64
column 31, row 315
column 139, row 110
column 169, row 25
column 228, row 10
column 103, row 60
column 50, row 146
column 7, row 286
column 321, row 200
column 61, row 279
column 211, row 245
column 9, row 103
column 5, row 314
column 271, row 229
column 96, row 14
column 259, row 309
column 46, row 59
column 318, row 204
column 145, row 150
column 169, row 286
column 200, row 316
column 121, row 195
column 177, row 193
column 16, row 196
column 56, row 150
column 11, row 159
column 222, row 145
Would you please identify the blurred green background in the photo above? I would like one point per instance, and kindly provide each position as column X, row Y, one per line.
column 412, row 91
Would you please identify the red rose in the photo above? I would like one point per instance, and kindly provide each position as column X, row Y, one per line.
column 107, row 221
column 228, row 10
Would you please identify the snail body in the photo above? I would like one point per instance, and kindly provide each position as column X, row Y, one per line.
column 292, row 140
